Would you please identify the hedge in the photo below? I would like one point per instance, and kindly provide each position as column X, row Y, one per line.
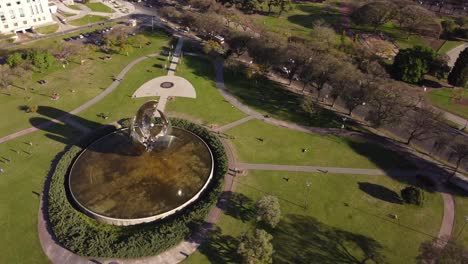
column 88, row 237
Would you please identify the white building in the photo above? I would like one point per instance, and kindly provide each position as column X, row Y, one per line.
column 21, row 15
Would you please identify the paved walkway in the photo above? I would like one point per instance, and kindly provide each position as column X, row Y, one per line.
column 454, row 53
column 275, row 167
column 83, row 107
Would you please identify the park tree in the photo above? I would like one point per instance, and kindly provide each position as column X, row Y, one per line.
column 170, row 13
column 268, row 210
column 295, row 57
column 375, row 14
column 41, row 59
column 64, row 51
column 283, row 5
column 387, row 105
column 323, row 36
column 210, row 23
column 125, row 49
column 459, row 74
column 14, row 59
column 139, row 40
column 412, row 195
column 410, row 65
column 238, row 42
column 346, row 76
column 359, row 95
column 416, row 19
column 255, row 247
column 6, row 76
column 266, row 50
column 318, row 71
column 423, row 124
column 458, row 151
column 431, row 252
column 212, row 47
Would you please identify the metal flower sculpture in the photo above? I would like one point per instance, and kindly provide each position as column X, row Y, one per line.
column 145, row 131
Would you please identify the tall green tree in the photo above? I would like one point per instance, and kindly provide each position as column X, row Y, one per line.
column 459, row 74
column 268, row 210
column 412, row 64
column 256, row 248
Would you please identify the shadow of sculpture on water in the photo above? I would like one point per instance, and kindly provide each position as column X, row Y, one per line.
column 70, row 135
column 237, row 205
column 303, row 239
column 219, row 248
column 380, row 192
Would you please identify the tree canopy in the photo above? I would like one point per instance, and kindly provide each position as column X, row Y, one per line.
column 459, row 74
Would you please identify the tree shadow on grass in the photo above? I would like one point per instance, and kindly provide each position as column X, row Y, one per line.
column 275, row 99
column 120, row 142
column 303, row 239
column 380, row 156
column 219, row 248
column 380, row 192
column 238, row 206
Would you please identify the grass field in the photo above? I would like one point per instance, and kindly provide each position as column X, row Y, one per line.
column 88, row 19
column 284, row 146
column 100, row 7
column 442, row 98
column 339, row 219
column 300, row 20
column 272, row 98
column 87, row 81
column 48, row 29
column 20, row 186
column 449, row 45
column 74, row 7
column 209, row 107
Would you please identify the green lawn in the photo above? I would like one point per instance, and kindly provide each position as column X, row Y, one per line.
column 88, row 19
column 100, row 7
column 20, row 185
column 449, row 45
column 87, row 81
column 299, row 20
column 48, row 29
column 75, row 7
column 272, row 98
column 284, row 146
column 346, row 217
column 442, row 98
column 209, row 107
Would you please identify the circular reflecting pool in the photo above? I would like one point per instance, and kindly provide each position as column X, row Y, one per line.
column 115, row 181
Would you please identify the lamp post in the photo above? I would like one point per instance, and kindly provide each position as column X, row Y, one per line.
column 306, row 191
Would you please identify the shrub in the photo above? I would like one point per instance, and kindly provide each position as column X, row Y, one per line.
column 412, row 195
column 85, row 236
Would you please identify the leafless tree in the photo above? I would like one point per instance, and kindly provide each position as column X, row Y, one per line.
column 423, row 124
